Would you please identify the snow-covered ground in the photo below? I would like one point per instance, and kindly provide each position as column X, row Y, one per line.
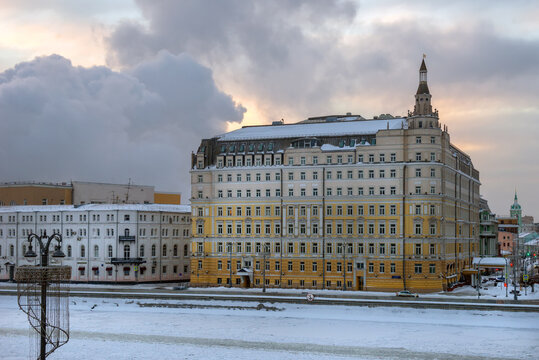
column 159, row 329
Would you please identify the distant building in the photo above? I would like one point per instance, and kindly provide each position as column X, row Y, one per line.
column 506, row 242
column 488, row 231
column 82, row 192
column 516, row 211
column 527, row 224
column 336, row 202
column 103, row 243
column 35, row 193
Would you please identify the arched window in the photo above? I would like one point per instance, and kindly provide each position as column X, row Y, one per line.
column 164, row 250
column 110, row 251
column 126, row 232
column 127, row 252
column 186, row 250
column 69, row 251
column 96, row 251
column 153, row 250
column 11, row 250
column 141, row 252
column 82, row 251
column 175, row 250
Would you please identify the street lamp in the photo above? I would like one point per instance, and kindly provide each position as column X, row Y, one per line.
column 265, row 253
column 44, row 242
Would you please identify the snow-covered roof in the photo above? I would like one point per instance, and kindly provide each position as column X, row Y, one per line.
column 332, row 128
column 490, row 261
column 97, row 207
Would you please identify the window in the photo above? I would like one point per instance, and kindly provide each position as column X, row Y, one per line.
column 432, row 172
column 432, row 140
column 417, row 156
column 432, row 268
column 418, row 139
column 371, row 158
column 371, row 190
column 371, row 248
column 82, row 251
column 382, row 190
column 109, row 251
column 432, row 210
column 153, row 250
column 314, row 248
column 290, row 176
column 418, row 229
column 315, row 160
column 371, row 174
column 382, row 268
column 382, row 157
column 328, row 175
column 418, row 189
column 392, row 267
column 329, row 159
column 371, row 209
column 339, row 175
column 360, row 229
column 96, row 251
column 371, row 267
column 432, row 229
column 418, row 249
column 432, row 249
column 360, row 174
column 432, row 156
column 418, row 268
column 417, row 172
column 393, row 173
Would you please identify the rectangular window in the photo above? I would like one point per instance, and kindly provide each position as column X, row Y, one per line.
column 418, row 268
column 432, row 268
column 392, row 267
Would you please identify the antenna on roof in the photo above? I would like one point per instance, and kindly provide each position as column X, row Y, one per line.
column 127, row 193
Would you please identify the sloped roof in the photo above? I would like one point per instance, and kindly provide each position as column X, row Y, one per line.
column 332, row 128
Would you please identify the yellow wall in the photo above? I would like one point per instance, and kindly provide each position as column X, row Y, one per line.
column 34, row 195
column 167, row 198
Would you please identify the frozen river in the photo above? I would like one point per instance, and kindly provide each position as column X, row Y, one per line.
column 157, row 329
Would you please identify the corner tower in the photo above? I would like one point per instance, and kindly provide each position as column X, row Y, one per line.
column 423, row 97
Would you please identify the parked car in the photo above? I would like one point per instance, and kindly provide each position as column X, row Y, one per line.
column 406, row 293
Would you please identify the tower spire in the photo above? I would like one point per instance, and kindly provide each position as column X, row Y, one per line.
column 423, row 96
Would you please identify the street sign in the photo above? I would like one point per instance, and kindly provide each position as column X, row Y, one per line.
column 310, row 297
column 525, row 277
column 136, row 268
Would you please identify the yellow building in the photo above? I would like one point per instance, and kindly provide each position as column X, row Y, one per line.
column 335, row 202
column 167, row 198
column 32, row 193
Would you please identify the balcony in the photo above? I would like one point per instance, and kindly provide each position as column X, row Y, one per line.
column 126, row 238
column 136, row 260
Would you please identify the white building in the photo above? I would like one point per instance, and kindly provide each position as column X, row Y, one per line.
column 102, row 243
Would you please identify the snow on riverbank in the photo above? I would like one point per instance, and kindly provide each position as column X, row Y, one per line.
column 173, row 329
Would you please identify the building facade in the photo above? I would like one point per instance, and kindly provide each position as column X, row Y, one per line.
column 336, row 202
column 488, row 231
column 82, row 192
column 103, row 243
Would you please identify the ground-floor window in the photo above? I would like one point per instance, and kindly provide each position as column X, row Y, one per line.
column 418, row 268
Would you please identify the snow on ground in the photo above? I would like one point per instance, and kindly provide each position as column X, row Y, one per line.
column 189, row 329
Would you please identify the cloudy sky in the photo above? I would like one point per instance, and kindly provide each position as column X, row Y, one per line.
column 115, row 90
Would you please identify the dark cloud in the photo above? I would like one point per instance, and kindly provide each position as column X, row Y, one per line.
column 283, row 52
column 61, row 122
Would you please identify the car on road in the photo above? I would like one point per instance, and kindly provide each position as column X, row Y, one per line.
column 406, row 293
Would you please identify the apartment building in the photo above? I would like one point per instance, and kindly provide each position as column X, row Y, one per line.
column 336, row 202
column 102, row 243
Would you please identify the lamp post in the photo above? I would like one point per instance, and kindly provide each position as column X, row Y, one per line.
column 44, row 242
column 266, row 253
